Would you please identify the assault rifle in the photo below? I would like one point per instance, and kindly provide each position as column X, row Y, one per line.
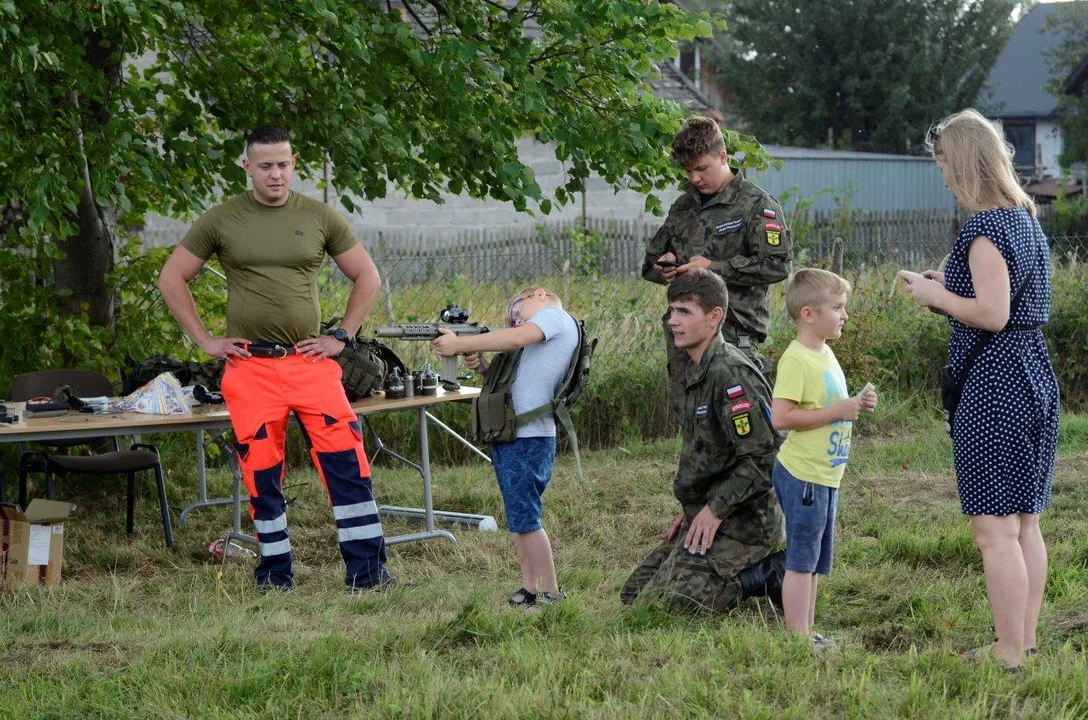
column 454, row 319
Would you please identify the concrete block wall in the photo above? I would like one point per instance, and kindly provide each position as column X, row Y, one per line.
column 396, row 215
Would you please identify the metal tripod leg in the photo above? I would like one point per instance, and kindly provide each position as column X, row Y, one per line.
column 380, row 447
column 236, row 496
column 201, row 476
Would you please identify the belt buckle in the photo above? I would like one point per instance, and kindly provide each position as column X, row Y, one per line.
column 282, row 350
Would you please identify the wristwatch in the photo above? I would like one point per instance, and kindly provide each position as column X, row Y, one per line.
column 342, row 335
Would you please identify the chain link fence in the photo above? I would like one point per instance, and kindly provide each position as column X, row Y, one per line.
column 596, row 269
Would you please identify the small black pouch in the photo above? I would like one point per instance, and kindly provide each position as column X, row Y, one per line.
column 950, row 396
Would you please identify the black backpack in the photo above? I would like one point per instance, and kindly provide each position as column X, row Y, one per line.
column 493, row 418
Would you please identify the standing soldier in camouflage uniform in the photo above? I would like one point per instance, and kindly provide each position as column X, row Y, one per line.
column 724, row 223
column 720, row 548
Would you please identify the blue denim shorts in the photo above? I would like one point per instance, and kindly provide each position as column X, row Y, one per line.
column 810, row 521
column 523, row 468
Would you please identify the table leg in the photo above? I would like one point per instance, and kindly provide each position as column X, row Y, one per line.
column 428, row 505
column 460, row 439
column 236, row 498
column 202, row 480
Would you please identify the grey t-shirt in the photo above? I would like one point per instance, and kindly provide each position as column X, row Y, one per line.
column 542, row 368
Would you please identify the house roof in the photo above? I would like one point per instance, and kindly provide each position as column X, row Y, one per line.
column 1016, row 88
column 674, row 85
column 1077, row 82
column 671, row 85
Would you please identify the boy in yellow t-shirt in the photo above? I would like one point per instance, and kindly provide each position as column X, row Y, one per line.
column 810, row 401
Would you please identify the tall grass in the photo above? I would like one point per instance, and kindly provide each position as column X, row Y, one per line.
column 135, row 631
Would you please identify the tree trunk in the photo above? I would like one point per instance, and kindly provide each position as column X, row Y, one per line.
column 80, row 276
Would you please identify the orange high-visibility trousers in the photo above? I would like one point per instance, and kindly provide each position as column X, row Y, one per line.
column 260, row 394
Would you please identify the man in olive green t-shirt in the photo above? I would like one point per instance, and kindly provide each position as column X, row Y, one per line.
column 271, row 243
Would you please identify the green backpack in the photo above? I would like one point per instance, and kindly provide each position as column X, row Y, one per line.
column 493, row 418
column 365, row 364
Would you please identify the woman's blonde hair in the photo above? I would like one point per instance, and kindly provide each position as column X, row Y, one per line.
column 979, row 159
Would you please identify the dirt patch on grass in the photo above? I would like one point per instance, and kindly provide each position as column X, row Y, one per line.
column 922, row 490
column 51, row 652
column 928, row 490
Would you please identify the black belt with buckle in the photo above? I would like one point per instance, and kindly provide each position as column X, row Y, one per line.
column 271, row 350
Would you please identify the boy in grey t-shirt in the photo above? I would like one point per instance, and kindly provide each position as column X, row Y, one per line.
column 523, row 466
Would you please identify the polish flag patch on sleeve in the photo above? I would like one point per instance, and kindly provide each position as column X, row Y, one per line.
column 768, row 213
column 734, row 392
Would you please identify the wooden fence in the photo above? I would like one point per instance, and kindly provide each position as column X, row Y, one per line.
column 616, row 247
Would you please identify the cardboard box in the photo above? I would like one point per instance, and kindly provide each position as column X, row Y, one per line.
column 32, row 542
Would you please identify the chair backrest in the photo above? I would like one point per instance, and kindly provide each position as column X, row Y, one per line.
column 87, row 383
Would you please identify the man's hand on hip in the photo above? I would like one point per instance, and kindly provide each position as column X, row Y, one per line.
column 227, row 348
column 320, row 347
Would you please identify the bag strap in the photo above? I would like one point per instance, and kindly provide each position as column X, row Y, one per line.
column 985, row 336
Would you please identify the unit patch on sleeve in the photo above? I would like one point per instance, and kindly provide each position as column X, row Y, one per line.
column 772, row 226
column 729, row 226
column 740, row 406
column 774, row 237
column 741, row 424
column 734, row 392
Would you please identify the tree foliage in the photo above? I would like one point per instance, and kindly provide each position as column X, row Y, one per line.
column 1071, row 21
column 114, row 108
column 875, row 74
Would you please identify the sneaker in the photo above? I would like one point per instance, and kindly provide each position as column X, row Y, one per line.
column 821, row 645
column 522, row 598
column 547, row 598
column 544, row 600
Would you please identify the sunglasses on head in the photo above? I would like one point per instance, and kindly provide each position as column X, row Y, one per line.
column 933, row 137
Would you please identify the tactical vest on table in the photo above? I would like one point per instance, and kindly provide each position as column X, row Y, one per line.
column 366, row 364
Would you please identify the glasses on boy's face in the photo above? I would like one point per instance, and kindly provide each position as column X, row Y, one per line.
column 515, row 310
column 515, row 307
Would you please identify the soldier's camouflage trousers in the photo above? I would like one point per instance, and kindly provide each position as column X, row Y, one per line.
column 679, row 362
column 679, row 580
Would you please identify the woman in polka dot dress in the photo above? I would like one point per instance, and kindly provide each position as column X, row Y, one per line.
column 1005, row 432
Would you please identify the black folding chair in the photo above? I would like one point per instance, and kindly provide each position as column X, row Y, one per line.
column 141, row 456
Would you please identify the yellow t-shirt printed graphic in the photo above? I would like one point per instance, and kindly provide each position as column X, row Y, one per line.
column 814, row 380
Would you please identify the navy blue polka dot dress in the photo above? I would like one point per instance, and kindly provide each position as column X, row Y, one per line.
column 1005, row 435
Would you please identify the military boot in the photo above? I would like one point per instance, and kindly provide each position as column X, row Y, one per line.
column 764, row 579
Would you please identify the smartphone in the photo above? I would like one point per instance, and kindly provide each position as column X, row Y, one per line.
column 667, row 263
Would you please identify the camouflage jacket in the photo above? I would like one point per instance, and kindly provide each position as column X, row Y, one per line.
column 742, row 231
column 729, row 447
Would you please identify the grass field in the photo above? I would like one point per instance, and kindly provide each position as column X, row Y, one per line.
column 135, row 631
